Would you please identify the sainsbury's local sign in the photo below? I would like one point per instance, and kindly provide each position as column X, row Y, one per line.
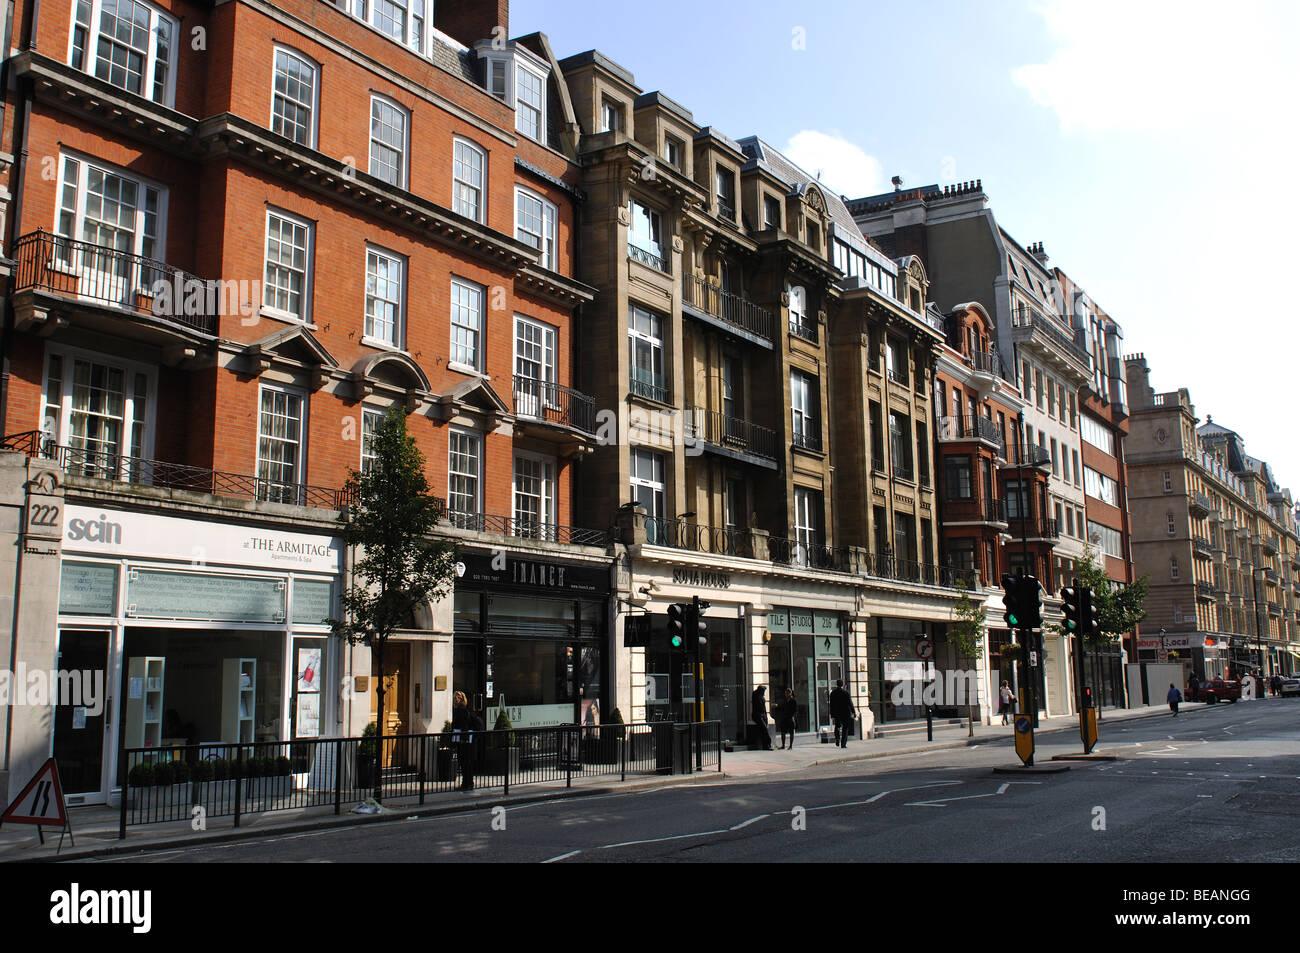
column 107, row 532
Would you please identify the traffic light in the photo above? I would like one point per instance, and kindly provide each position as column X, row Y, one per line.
column 1089, row 624
column 677, row 614
column 698, row 625
column 1030, row 602
column 1010, row 599
column 1072, row 599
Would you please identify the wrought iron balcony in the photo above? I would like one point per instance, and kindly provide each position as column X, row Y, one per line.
column 1028, row 456
column 697, row 537
column 808, row 440
column 99, row 275
column 1022, row 528
column 801, row 326
column 987, row 363
column 646, row 257
column 1199, row 504
column 1274, row 609
column 727, row 308
column 897, row 375
column 1270, row 574
column 887, row 566
column 160, row 474
column 1201, row 545
column 554, row 404
column 1033, row 321
column 523, row 527
column 809, row 554
column 970, row 428
column 650, row 386
column 975, row 511
column 731, row 434
column 1205, row 591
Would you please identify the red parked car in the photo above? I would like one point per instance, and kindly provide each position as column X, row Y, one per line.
column 1217, row 690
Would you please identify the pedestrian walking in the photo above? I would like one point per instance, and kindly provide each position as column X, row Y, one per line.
column 786, row 711
column 1193, row 687
column 758, row 715
column 1174, row 697
column 1006, row 701
column 463, row 725
column 841, row 706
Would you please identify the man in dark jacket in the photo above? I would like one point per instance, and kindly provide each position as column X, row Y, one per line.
column 841, row 706
column 758, row 714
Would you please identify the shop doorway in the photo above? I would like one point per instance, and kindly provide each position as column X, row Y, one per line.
column 397, row 713
column 81, row 724
column 829, row 671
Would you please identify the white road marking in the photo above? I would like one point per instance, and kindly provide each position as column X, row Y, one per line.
column 750, row 821
column 572, row 853
column 940, row 802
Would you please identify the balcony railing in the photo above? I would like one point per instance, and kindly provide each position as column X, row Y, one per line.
column 1204, row 590
column 108, row 465
column 1028, row 456
column 970, row 428
column 877, row 464
column 1201, row 545
column 975, row 511
column 1202, row 503
column 802, row 326
column 106, row 276
column 811, row 554
column 987, row 362
column 808, row 440
column 649, row 386
column 524, row 527
column 897, row 375
column 554, row 403
column 1274, row 609
column 1034, row 319
column 887, row 566
column 1034, row 529
column 731, row 433
column 646, row 257
column 727, row 307
column 697, row 537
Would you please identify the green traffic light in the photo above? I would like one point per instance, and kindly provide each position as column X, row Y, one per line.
column 1014, row 620
column 677, row 641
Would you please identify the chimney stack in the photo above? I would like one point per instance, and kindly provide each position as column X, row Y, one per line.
column 472, row 20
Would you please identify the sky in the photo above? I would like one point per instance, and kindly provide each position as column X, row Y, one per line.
column 1146, row 143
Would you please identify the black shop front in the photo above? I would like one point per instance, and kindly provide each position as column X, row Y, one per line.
column 531, row 638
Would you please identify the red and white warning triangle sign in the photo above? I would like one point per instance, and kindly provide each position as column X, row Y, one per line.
column 41, row 802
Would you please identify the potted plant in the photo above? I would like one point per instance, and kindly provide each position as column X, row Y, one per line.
column 367, row 751
column 501, row 755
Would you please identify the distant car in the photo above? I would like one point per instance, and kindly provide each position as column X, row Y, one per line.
column 1290, row 685
column 1220, row 690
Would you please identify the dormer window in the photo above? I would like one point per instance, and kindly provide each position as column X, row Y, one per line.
column 518, row 78
column 611, row 116
column 771, row 212
column 726, row 185
column 673, row 152
column 402, row 20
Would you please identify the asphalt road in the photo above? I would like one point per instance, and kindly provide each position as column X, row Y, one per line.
column 1221, row 783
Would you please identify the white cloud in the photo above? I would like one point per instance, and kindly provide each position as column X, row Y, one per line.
column 1160, row 64
column 844, row 167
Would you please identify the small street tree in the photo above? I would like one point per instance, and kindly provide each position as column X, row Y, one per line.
column 1118, row 608
column 966, row 636
column 389, row 520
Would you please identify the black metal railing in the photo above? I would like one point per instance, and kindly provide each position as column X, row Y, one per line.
column 234, row 780
column 523, row 527
column 1274, row 609
column 808, row 553
column 897, row 376
column 877, row 464
column 650, row 386
column 554, row 403
column 987, row 362
column 697, row 537
column 1028, row 528
column 727, row 307
column 110, row 465
column 726, row 210
column 903, row 471
column 808, row 439
column 731, row 433
column 979, row 510
column 646, row 257
column 1201, row 544
column 1202, row 502
column 888, row 566
column 1031, row 455
column 802, row 326
column 970, row 427
column 1025, row 317
column 107, row 276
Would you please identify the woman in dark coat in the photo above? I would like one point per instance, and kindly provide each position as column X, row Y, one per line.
column 786, row 710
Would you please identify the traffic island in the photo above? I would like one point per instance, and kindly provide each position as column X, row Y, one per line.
column 1033, row 769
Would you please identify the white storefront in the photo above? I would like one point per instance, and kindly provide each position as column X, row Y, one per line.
column 206, row 632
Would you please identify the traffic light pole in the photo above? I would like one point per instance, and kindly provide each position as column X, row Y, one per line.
column 697, row 669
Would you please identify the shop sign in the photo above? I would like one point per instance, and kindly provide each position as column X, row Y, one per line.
column 685, row 576
column 509, row 571
column 120, row 533
column 801, row 621
column 157, row 594
column 904, row 671
column 778, row 620
column 826, row 623
column 87, row 588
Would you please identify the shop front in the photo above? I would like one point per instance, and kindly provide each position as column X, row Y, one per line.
column 805, row 653
column 531, row 638
column 202, row 633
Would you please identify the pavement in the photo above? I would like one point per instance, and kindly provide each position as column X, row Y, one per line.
column 95, row 828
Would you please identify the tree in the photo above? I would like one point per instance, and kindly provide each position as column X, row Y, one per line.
column 1118, row 608
column 399, row 565
column 966, row 635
